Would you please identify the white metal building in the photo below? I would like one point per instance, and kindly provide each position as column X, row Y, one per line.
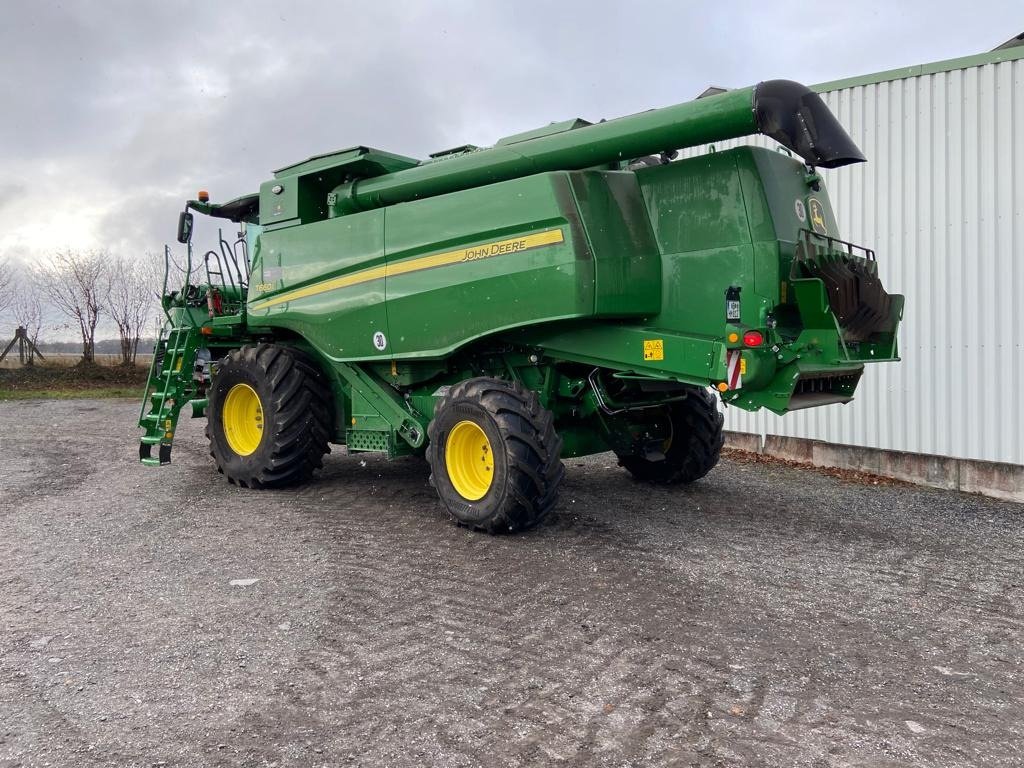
column 941, row 200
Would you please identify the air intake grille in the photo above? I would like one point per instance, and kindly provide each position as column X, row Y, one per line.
column 823, row 389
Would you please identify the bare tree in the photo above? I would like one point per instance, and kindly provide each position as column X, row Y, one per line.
column 7, row 288
column 130, row 299
column 76, row 283
column 27, row 308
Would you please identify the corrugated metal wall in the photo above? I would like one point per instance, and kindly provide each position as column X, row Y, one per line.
column 941, row 199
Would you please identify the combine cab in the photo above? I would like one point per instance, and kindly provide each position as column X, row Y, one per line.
column 565, row 292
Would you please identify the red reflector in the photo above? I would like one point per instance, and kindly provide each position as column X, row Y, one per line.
column 753, row 338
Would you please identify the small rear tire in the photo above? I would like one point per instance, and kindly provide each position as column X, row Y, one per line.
column 494, row 455
column 694, row 428
column 269, row 417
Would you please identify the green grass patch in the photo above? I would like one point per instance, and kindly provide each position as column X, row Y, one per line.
column 61, row 382
column 70, row 394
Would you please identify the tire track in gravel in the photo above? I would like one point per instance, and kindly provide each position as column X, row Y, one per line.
column 764, row 616
column 482, row 628
column 548, row 723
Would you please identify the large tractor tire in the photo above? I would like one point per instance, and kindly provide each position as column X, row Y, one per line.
column 692, row 444
column 495, row 456
column 269, row 417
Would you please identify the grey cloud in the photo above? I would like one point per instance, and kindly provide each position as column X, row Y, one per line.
column 143, row 103
column 9, row 191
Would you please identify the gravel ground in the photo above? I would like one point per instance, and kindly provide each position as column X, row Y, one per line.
column 765, row 616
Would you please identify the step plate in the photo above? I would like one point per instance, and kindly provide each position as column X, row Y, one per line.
column 370, row 440
column 146, row 456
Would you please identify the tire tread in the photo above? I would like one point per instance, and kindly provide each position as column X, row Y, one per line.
column 702, row 425
column 301, row 408
column 535, row 468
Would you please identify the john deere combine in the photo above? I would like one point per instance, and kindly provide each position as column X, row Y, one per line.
column 568, row 291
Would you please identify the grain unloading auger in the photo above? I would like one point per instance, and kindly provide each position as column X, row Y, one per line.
column 565, row 292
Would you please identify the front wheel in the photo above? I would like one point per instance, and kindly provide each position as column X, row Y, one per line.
column 687, row 442
column 269, row 417
column 495, row 456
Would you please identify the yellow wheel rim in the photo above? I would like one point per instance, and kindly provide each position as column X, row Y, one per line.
column 469, row 460
column 242, row 418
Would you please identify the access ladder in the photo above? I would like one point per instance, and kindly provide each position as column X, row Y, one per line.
column 171, row 385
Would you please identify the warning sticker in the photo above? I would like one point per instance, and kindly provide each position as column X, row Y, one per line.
column 735, row 367
column 654, row 349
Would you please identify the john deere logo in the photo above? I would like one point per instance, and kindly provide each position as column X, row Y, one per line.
column 817, row 212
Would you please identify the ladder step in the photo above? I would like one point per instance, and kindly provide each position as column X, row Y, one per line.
column 167, row 391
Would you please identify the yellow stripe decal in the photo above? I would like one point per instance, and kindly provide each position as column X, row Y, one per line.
column 327, row 285
column 473, row 253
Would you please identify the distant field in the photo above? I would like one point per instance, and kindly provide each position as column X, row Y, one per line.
column 72, row 358
column 60, row 377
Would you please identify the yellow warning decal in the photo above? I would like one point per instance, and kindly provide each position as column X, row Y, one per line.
column 654, row 349
column 462, row 255
column 743, row 366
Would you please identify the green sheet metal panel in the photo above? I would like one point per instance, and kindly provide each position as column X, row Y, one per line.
column 496, row 257
column 700, row 221
column 324, row 281
column 618, row 229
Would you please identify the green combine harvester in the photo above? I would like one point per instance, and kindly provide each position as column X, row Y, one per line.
column 568, row 291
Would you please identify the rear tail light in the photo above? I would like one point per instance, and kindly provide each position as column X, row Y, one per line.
column 753, row 338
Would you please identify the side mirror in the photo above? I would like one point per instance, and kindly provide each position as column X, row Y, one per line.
column 184, row 227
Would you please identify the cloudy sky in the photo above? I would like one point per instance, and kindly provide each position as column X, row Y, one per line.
column 114, row 112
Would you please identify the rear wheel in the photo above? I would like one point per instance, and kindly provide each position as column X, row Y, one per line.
column 495, row 456
column 684, row 442
column 269, row 417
